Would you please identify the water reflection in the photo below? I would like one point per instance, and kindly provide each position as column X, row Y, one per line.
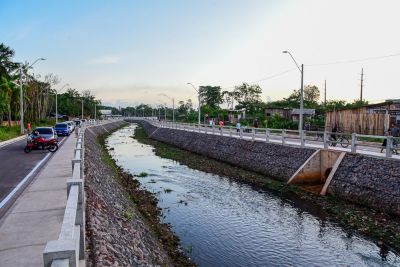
column 224, row 223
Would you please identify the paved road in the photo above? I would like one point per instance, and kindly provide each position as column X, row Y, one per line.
column 15, row 164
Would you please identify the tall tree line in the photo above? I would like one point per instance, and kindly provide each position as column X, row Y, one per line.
column 38, row 93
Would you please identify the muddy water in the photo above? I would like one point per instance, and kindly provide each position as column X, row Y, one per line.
column 224, row 223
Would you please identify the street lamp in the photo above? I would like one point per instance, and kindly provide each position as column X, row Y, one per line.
column 67, row 84
column 173, row 106
column 21, row 100
column 301, row 96
column 198, row 93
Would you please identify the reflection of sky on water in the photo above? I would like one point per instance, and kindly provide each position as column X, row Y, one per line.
column 224, row 223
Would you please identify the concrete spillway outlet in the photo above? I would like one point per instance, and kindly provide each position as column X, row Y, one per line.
column 317, row 172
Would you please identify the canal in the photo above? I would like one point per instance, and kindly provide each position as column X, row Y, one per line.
column 225, row 223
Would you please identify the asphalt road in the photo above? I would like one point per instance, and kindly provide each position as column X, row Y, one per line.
column 15, row 164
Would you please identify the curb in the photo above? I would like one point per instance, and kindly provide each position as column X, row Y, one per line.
column 11, row 141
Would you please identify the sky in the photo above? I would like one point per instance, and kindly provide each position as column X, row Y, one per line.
column 129, row 52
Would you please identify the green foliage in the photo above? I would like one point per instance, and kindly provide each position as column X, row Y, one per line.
column 211, row 95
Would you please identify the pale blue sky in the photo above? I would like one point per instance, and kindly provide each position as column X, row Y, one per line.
column 128, row 52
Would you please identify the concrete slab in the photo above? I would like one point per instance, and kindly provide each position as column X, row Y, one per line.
column 30, row 228
column 46, row 184
column 41, row 200
column 22, row 256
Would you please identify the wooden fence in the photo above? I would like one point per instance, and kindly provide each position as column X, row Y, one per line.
column 354, row 121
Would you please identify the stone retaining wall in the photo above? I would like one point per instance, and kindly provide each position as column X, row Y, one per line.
column 373, row 182
column 116, row 234
column 273, row 160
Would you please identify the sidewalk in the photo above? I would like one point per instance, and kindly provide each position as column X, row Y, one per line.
column 37, row 215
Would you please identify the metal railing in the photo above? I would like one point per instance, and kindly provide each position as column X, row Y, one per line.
column 315, row 139
column 69, row 248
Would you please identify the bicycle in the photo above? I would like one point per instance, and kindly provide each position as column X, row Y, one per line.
column 341, row 139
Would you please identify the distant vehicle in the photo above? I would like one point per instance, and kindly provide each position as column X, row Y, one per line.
column 62, row 129
column 45, row 132
column 71, row 126
column 91, row 121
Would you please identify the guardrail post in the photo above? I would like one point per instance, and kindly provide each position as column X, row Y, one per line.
column 267, row 135
column 253, row 133
column 213, row 129
column 241, row 133
column 325, row 140
column 283, row 136
column 302, row 141
column 353, row 143
column 389, row 142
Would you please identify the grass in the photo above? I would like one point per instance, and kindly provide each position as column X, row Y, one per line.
column 7, row 133
column 142, row 174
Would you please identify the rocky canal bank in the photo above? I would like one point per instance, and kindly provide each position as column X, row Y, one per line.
column 122, row 223
column 381, row 227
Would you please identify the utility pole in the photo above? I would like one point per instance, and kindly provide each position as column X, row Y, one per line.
column 82, row 107
column 94, row 111
column 325, row 94
column 362, row 80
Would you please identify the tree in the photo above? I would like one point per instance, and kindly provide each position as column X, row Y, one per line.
column 211, row 95
column 246, row 93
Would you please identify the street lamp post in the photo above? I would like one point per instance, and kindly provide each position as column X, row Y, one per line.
column 173, row 106
column 57, row 100
column 21, row 95
column 198, row 95
column 301, row 97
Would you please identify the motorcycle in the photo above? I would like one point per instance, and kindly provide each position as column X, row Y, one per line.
column 41, row 143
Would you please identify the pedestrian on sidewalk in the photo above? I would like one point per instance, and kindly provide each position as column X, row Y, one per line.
column 76, row 131
column 255, row 125
column 221, row 124
column 238, row 127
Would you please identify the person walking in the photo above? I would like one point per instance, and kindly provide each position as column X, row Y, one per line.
column 76, row 131
column 384, row 144
column 238, row 127
column 28, row 127
column 255, row 125
column 220, row 124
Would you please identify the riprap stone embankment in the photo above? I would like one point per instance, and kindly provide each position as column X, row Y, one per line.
column 116, row 233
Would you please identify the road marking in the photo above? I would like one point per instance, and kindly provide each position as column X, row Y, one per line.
column 15, row 190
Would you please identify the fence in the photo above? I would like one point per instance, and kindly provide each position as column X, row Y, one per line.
column 355, row 143
column 68, row 249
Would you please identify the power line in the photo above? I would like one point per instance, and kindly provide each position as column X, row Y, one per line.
column 354, row 60
column 266, row 78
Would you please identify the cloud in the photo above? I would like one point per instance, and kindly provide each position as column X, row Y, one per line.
column 105, row 60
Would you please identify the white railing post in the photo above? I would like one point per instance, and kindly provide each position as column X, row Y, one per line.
column 302, row 135
column 389, row 142
column 253, row 133
column 213, row 129
column 266, row 135
column 241, row 133
column 283, row 136
column 325, row 140
column 353, row 143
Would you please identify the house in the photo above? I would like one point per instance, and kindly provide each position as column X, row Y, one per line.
column 370, row 119
column 289, row 113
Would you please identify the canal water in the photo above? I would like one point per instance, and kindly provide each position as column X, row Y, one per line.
column 224, row 223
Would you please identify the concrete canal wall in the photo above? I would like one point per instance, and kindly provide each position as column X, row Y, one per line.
column 373, row 182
